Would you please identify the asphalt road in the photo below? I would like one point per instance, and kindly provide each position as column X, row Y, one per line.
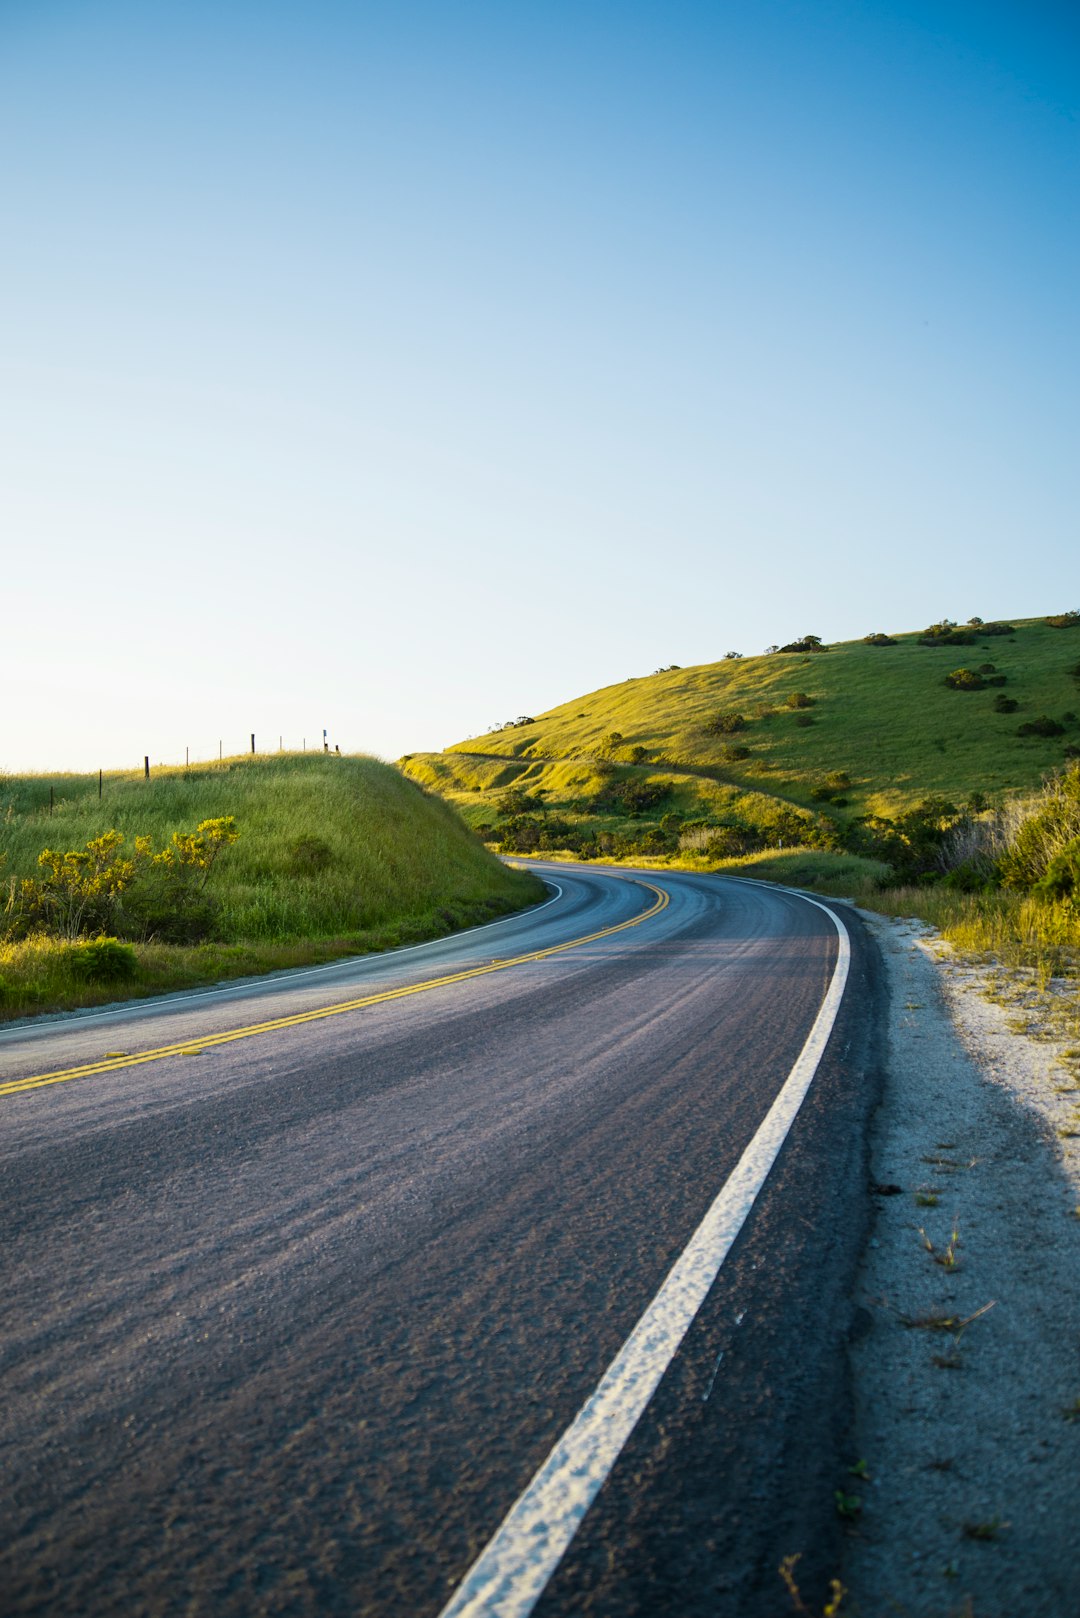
column 290, row 1321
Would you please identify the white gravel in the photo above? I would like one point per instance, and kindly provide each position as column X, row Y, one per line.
column 967, row 1429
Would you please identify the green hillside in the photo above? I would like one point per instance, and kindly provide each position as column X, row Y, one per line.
column 782, row 741
column 333, row 855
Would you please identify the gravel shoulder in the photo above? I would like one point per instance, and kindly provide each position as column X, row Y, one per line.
column 969, row 1434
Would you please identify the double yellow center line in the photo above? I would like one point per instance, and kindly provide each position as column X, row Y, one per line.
column 196, row 1045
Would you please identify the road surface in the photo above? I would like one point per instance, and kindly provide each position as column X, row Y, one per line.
column 292, row 1318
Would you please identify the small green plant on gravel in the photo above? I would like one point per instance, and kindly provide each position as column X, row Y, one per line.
column 955, row 1325
column 984, row 1531
column 848, row 1506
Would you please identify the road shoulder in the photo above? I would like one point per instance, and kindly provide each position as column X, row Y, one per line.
column 969, row 1434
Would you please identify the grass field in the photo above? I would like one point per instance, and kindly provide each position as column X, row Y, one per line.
column 881, row 715
column 335, row 856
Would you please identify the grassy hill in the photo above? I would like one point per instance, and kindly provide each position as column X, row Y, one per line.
column 855, row 730
column 334, row 855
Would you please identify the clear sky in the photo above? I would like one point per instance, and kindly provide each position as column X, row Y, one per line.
column 401, row 367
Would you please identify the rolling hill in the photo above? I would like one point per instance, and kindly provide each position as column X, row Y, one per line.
column 781, row 742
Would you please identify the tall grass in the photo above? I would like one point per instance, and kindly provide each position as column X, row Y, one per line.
column 395, row 864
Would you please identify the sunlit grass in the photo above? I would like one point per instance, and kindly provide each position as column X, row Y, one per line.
column 398, row 866
column 882, row 714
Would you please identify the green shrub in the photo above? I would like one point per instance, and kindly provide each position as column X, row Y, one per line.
column 725, row 724
column 805, row 719
column 609, row 744
column 516, row 802
column 1064, row 620
column 945, row 633
column 879, row 640
column 836, row 781
column 1042, row 829
column 1061, row 879
column 808, row 643
column 965, row 680
column 1005, row 704
column 736, row 753
column 102, row 960
column 1041, row 726
column 632, row 797
column 798, row 699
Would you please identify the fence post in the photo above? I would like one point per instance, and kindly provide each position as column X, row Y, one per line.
column 99, row 777
column 253, row 741
column 50, row 800
column 146, row 766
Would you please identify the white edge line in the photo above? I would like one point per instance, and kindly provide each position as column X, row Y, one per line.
column 159, row 1002
column 509, row 1576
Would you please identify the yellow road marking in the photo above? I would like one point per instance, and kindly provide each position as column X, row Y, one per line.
column 115, row 1060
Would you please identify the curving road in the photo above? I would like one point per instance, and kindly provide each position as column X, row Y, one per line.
column 293, row 1314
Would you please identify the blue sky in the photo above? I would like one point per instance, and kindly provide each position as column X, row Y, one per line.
column 402, row 368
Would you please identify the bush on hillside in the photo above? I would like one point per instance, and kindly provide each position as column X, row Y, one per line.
column 730, row 657
column 837, row 781
column 879, row 639
column 632, row 797
column 798, row 699
column 1064, row 620
column 965, row 680
column 805, row 719
column 1043, row 725
column 514, row 801
column 734, row 754
column 1004, row 704
column 945, row 633
column 808, row 643
column 724, row 724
